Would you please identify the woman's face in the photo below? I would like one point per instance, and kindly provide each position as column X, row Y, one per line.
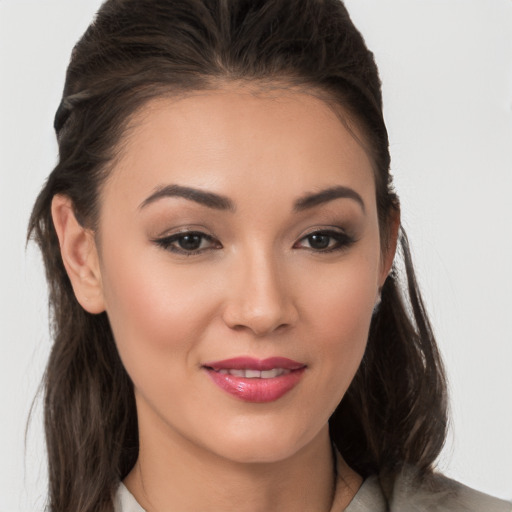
column 237, row 228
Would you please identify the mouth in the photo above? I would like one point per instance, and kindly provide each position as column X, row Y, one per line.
column 254, row 374
column 256, row 380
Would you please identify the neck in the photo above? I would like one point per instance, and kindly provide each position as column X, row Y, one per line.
column 175, row 474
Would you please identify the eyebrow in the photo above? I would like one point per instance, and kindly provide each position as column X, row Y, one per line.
column 219, row 202
column 209, row 199
column 326, row 195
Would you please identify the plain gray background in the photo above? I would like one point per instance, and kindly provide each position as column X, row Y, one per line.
column 447, row 72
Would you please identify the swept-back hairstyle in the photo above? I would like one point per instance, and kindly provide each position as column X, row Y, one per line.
column 394, row 412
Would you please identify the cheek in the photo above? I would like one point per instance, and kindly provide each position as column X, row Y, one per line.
column 338, row 310
column 154, row 310
column 340, row 299
column 341, row 328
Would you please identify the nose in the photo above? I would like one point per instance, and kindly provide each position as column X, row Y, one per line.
column 260, row 300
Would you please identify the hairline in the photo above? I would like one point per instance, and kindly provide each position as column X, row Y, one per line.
column 264, row 87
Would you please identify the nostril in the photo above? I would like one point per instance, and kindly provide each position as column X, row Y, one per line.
column 259, row 303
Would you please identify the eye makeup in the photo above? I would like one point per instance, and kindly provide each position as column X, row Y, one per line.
column 188, row 242
column 329, row 229
column 192, row 242
column 325, row 241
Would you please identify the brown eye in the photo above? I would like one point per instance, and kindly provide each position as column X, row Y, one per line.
column 319, row 241
column 188, row 243
column 325, row 241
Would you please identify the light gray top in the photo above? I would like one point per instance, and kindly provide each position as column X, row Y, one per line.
column 407, row 497
column 437, row 495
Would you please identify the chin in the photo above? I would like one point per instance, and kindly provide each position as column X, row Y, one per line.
column 263, row 445
column 255, row 453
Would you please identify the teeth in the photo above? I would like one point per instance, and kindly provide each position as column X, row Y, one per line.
column 255, row 374
column 269, row 374
column 252, row 374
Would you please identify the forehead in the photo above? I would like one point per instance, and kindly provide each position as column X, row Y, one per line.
column 230, row 139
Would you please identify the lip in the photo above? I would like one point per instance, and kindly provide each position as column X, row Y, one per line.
column 258, row 390
column 251, row 363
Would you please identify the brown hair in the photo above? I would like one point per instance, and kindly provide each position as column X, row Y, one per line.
column 394, row 412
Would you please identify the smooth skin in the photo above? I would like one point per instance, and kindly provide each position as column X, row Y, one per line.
column 263, row 274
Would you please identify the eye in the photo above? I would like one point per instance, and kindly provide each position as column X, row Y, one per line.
column 325, row 241
column 188, row 243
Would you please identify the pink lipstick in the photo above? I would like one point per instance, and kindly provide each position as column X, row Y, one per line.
column 256, row 380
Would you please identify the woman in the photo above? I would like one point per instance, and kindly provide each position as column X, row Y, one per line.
column 219, row 237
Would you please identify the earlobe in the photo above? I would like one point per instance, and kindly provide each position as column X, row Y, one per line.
column 79, row 255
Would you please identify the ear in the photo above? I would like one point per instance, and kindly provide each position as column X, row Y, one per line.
column 79, row 255
column 388, row 252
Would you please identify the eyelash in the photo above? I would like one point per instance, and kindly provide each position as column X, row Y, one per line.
column 170, row 243
column 342, row 240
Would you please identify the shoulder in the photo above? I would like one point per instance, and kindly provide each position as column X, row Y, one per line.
column 438, row 493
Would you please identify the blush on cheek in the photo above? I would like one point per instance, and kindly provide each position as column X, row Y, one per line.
column 343, row 318
column 157, row 318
